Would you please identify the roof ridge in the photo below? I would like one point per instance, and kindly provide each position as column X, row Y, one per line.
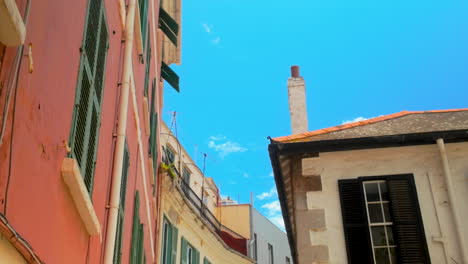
column 359, row 123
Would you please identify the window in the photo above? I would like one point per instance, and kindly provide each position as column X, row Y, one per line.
column 137, row 253
column 143, row 8
column 121, row 215
column 168, row 25
column 379, row 221
column 170, row 76
column 270, row 254
column 186, row 175
column 288, row 260
column 206, row 261
column 147, row 68
column 255, row 247
column 153, row 138
column 171, row 29
column 170, row 156
column 382, row 221
column 90, row 87
column 169, row 243
column 188, row 255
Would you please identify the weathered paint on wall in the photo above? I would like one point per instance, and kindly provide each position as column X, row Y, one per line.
column 194, row 228
column 235, row 217
column 33, row 195
column 422, row 161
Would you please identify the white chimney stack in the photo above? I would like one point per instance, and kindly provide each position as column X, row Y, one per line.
column 297, row 102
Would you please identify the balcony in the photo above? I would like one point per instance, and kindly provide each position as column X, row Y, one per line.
column 234, row 240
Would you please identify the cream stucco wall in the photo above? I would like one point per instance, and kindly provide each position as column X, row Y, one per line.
column 424, row 162
column 8, row 253
column 235, row 217
column 193, row 228
column 183, row 160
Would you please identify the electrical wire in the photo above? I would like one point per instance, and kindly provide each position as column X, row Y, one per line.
column 14, row 75
column 18, row 62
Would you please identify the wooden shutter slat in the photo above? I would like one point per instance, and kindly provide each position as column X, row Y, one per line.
column 355, row 222
column 168, row 25
column 196, row 256
column 408, row 225
column 135, row 229
column 183, row 251
column 170, row 76
column 92, row 31
column 175, row 236
column 87, row 113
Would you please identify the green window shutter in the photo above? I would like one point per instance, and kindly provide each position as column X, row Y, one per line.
column 183, row 251
column 206, row 261
column 126, row 167
column 170, row 76
column 143, row 6
column 87, row 113
column 141, row 247
column 118, row 239
column 195, row 256
column 169, row 244
column 147, row 68
column 121, row 214
column 134, row 252
column 168, row 25
column 175, row 236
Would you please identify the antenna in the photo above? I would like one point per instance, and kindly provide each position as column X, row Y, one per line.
column 203, row 179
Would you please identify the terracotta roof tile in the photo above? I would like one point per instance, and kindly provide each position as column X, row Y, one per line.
column 302, row 136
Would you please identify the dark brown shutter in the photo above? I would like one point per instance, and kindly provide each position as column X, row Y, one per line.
column 355, row 222
column 408, row 225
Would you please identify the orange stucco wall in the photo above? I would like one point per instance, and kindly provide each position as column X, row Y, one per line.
column 33, row 196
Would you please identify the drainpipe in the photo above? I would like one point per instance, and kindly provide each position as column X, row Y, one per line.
column 452, row 199
column 120, row 142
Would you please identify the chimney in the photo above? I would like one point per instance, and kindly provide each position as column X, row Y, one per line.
column 297, row 102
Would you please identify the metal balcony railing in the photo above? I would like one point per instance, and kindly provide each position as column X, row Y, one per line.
column 232, row 239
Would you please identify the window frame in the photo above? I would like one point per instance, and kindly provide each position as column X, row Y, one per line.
column 417, row 221
column 383, row 224
column 271, row 255
column 89, row 69
column 169, row 243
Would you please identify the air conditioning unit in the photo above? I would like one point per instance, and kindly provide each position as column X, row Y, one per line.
column 12, row 29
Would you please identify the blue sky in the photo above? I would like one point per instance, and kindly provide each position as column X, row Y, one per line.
column 360, row 59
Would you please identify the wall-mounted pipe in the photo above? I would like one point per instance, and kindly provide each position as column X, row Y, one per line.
column 121, row 133
column 452, row 200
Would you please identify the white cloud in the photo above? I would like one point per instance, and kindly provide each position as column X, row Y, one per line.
column 216, row 41
column 272, row 208
column 268, row 194
column 278, row 221
column 207, row 28
column 220, row 137
column 224, row 146
column 357, row 119
column 273, row 212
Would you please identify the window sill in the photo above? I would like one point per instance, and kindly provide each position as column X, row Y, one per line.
column 73, row 179
column 12, row 29
column 137, row 29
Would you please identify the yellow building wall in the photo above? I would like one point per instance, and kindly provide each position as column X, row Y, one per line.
column 8, row 253
column 193, row 228
column 235, row 217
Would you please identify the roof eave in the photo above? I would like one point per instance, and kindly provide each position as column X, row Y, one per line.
column 277, row 172
column 276, row 149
